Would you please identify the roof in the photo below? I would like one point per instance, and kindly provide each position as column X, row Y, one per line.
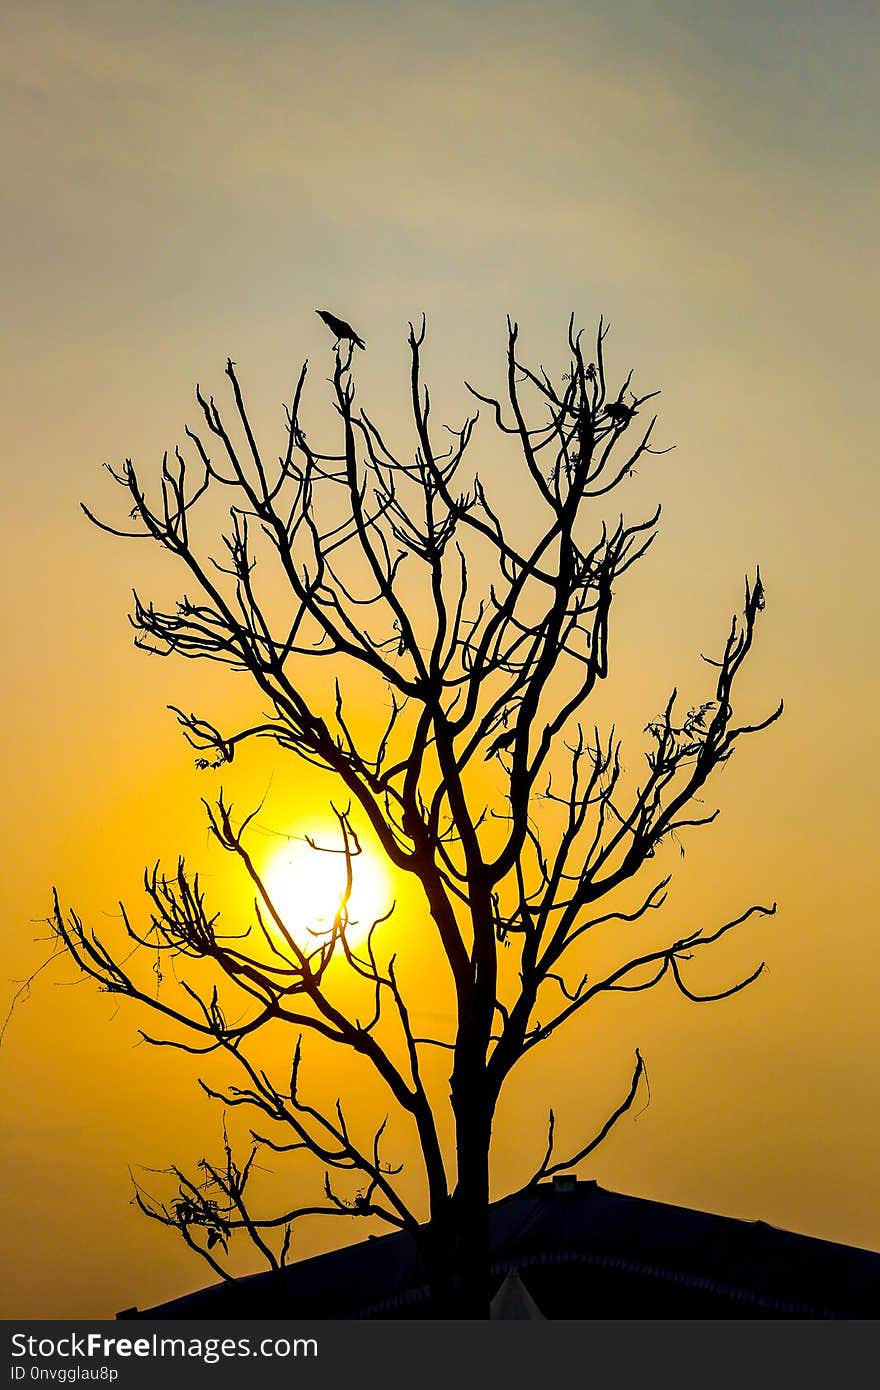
column 583, row 1252
column 514, row 1303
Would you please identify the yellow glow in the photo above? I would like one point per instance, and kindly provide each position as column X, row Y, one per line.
column 307, row 887
column 720, row 214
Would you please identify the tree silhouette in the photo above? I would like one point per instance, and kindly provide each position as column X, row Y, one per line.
column 484, row 649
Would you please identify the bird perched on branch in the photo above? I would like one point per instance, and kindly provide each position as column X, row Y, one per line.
column 502, row 742
column 619, row 414
column 343, row 331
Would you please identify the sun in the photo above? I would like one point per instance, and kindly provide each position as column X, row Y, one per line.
column 306, row 887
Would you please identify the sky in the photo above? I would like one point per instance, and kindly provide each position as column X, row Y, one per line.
column 185, row 182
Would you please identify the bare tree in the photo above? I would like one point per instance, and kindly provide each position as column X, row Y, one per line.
column 401, row 572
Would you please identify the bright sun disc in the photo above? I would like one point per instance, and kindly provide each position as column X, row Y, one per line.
column 306, row 887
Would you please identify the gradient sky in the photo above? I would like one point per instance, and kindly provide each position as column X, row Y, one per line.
column 187, row 181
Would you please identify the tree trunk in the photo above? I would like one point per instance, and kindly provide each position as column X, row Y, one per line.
column 457, row 1256
column 458, row 1242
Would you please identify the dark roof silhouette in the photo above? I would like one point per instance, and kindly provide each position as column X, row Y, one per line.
column 343, row 331
column 582, row 1253
column 514, row 1303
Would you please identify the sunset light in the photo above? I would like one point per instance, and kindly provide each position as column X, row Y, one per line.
column 439, row 451
column 307, row 887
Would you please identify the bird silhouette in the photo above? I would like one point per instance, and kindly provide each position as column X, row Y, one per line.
column 619, row 413
column 502, row 742
column 343, row 331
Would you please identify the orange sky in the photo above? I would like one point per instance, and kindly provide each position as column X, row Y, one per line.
column 185, row 182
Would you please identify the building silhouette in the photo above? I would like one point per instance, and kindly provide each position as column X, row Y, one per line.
column 573, row 1250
